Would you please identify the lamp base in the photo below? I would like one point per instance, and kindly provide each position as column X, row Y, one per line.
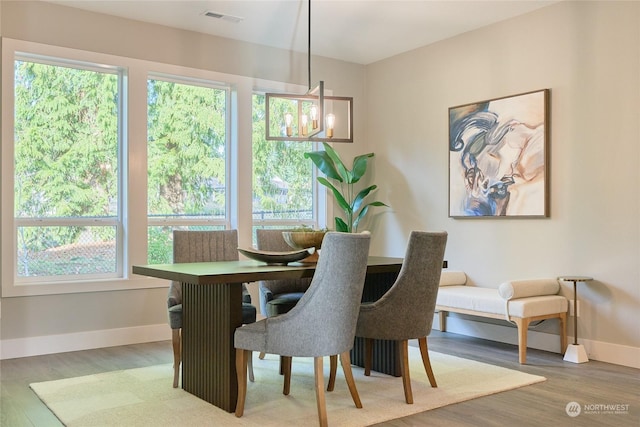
column 576, row 354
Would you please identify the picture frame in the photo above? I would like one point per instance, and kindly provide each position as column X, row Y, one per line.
column 498, row 157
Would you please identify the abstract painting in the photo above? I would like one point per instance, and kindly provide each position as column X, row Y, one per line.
column 498, row 157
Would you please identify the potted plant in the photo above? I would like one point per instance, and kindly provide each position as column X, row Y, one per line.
column 353, row 205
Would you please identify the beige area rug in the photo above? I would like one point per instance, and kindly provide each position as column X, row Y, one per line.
column 144, row 396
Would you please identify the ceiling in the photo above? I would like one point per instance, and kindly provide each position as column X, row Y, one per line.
column 360, row 31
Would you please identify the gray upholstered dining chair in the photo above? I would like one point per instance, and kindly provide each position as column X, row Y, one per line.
column 201, row 246
column 278, row 296
column 321, row 324
column 406, row 310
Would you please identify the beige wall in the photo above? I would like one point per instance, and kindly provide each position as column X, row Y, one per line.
column 586, row 53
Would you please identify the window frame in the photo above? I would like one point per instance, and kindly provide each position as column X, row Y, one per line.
column 319, row 197
column 225, row 223
column 133, row 193
column 115, row 221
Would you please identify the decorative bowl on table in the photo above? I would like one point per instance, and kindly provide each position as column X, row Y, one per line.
column 277, row 258
column 305, row 239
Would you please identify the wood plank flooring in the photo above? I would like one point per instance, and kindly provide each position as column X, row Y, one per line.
column 592, row 383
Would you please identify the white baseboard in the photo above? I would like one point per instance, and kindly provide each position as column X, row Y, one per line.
column 34, row 346
column 25, row 347
column 596, row 350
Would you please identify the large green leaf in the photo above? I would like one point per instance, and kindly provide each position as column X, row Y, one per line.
column 361, row 196
column 339, row 165
column 341, row 225
column 342, row 202
column 360, row 167
column 324, row 163
column 361, row 215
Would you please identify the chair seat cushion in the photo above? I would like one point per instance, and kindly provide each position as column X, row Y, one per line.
column 249, row 313
column 283, row 303
column 252, row 336
column 175, row 316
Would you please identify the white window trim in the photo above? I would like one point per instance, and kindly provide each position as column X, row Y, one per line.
column 134, row 204
column 115, row 221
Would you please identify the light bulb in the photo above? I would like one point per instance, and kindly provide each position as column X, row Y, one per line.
column 331, row 121
column 303, row 121
column 314, row 116
column 288, row 119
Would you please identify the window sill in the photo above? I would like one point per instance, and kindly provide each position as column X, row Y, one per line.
column 135, row 282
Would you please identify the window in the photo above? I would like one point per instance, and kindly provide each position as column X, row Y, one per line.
column 186, row 160
column 102, row 157
column 66, row 169
column 283, row 179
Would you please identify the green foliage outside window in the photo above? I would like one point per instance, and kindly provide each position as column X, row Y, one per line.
column 282, row 178
column 186, row 149
column 67, row 166
column 66, row 152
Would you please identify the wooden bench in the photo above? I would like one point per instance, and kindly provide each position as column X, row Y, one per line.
column 520, row 302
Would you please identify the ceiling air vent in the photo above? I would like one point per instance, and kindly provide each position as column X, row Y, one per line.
column 224, row 17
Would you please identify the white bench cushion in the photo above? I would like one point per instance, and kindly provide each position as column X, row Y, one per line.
column 487, row 300
column 528, row 288
column 451, row 278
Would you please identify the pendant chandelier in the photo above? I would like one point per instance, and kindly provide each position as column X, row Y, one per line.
column 312, row 116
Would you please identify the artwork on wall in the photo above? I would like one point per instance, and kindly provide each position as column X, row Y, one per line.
column 498, row 157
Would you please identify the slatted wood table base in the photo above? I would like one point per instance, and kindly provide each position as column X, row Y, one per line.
column 208, row 365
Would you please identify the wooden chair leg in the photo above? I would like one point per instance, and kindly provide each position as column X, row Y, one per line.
column 320, row 400
column 176, row 343
column 242, row 357
column 261, row 355
column 333, row 367
column 250, row 367
column 285, row 364
column 345, row 361
column 404, row 368
column 368, row 355
column 424, row 352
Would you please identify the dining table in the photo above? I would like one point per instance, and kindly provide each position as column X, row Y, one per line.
column 212, row 310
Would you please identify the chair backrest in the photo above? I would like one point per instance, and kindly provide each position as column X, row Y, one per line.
column 205, row 246
column 201, row 246
column 324, row 320
column 411, row 301
column 272, row 240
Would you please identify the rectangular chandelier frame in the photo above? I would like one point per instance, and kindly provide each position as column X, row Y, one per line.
column 277, row 105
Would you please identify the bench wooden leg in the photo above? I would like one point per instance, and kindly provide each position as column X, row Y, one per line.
column 563, row 332
column 523, row 327
column 443, row 320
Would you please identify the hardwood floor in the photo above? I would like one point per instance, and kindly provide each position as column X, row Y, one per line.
column 543, row 404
